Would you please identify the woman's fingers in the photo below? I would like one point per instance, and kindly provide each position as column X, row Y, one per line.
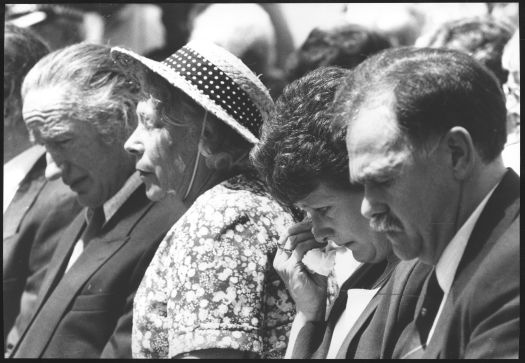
column 303, row 247
column 303, row 226
column 300, row 237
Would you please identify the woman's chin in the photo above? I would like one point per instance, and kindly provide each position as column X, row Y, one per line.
column 154, row 193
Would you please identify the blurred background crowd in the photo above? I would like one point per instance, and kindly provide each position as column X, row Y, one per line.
column 283, row 41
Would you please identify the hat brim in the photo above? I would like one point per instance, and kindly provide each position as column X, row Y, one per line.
column 132, row 62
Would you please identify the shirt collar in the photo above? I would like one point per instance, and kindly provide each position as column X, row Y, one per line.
column 449, row 261
column 112, row 205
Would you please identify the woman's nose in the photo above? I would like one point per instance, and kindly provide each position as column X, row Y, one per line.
column 320, row 231
column 133, row 144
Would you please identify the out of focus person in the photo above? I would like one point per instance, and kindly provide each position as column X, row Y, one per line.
column 245, row 30
column 210, row 290
column 511, row 62
column 302, row 158
column 35, row 211
column 401, row 23
column 59, row 25
column 175, row 19
column 481, row 37
column 426, row 128
column 135, row 26
column 436, row 14
column 80, row 106
column 342, row 44
column 506, row 12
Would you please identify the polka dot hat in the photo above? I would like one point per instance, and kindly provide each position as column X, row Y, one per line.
column 215, row 79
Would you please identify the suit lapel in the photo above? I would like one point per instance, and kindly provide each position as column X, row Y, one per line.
column 57, row 299
column 500, row 212
column 56, row 266
column 365, row 315
column 24, row 197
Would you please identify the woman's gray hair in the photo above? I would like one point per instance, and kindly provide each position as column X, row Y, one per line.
column 102, row 94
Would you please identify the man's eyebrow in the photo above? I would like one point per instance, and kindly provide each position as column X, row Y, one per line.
column 376, row 175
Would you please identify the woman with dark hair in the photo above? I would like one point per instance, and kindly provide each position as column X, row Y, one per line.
column 210, row 290
column 302, row 158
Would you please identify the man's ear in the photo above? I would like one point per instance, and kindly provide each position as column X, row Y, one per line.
column 461, row 150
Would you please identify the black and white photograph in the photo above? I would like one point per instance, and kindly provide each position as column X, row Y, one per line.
column 261, row 180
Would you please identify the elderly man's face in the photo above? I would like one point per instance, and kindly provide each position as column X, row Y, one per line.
column 335, row 216
column 158, row 161
column 94, row 170
column 407, row 195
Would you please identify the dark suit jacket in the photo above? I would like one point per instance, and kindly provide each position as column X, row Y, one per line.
column 87, row 313
column 33, row 222
column 481, row 315
column 368, row 338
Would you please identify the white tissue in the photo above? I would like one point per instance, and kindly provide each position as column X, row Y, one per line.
column 320, row 260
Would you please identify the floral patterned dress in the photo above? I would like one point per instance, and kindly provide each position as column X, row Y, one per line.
column 211, row 283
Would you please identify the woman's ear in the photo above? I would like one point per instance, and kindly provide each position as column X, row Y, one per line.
column 462, row 153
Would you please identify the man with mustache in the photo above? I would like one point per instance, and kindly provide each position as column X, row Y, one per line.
column 80, row 106
column 426, row 128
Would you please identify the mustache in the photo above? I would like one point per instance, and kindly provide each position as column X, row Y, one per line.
column 385, row 223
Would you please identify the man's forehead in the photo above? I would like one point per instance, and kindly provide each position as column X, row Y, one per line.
column 45, row 109
column 45, row 98
column 376, row 147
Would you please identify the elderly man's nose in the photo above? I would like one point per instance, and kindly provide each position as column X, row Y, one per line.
column 53, row 170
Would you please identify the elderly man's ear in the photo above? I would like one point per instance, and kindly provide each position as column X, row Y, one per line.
column 462, row 153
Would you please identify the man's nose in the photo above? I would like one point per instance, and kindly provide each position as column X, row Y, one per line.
column 133, row 144
column 53, row 170
column 371, row 206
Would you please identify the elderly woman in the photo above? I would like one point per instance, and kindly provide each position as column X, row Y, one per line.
column 210, row 290
column 303, row 159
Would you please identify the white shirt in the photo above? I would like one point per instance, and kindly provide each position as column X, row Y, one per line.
column 448, row 262
column 110, row 207
column 358, row 300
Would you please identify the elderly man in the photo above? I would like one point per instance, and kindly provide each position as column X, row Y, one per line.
column 81, row 108
column 35, row 210
column 426, row 128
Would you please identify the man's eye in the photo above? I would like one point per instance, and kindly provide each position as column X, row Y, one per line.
column 322, row 211
column 63, row 142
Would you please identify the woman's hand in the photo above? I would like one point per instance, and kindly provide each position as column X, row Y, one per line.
column 306, row 288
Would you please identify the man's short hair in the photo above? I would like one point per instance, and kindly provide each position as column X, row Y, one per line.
column 99, row 91
column 481, row 37
column 22, row 49
column 301, row 145
column 433, row 90
column 345, row 46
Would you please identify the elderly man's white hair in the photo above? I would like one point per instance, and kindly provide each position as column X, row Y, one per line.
column 238, row 28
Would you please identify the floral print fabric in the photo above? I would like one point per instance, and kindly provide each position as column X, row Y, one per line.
column 211, row 283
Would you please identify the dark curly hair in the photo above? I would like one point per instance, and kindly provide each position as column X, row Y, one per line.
column 343, row 46
column 483, row 38
column 301, row 145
